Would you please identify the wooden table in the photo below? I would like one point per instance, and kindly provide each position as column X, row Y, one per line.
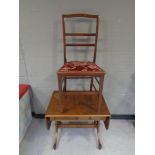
column 77, row 106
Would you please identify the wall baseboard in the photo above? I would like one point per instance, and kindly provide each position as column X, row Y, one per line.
column 40, row 116
column 113, row 116
column 121, row 116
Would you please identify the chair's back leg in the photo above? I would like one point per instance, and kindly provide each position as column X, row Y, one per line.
column 91, row 84
column 65, row 84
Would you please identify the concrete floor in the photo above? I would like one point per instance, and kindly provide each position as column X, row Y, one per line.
column 118, row 140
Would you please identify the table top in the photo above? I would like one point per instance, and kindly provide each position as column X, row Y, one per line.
column 77, row 105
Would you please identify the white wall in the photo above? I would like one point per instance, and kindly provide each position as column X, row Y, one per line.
column 41, row 48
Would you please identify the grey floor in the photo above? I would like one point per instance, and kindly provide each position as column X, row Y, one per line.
column 118, row 140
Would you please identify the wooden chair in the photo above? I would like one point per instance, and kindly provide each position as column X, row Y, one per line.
column 80, row 69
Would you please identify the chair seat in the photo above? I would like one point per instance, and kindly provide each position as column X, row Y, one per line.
column 80, row 67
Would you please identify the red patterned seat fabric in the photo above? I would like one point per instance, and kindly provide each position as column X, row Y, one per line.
column 83, row 66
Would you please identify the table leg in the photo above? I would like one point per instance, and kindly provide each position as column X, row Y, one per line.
column 98, row 139
column 55, row 136
column 48, row 123
column 107, row 122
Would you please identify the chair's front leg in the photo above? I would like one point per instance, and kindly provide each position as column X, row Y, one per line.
column 60, row 92
column 100, row 91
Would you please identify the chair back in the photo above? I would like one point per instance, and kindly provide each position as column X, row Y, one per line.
column 84, row 18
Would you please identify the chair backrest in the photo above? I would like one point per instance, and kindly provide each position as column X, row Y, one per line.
column 95, row 34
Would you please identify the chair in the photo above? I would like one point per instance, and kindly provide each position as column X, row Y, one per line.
column 80, row 69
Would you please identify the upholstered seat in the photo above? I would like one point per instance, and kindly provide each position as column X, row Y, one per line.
column 81, row 66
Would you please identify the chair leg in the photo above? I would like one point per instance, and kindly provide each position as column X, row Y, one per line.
column 100, row 91
column 65, row 84
column 55, row 136
column 60, row 92
column 91, row 84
